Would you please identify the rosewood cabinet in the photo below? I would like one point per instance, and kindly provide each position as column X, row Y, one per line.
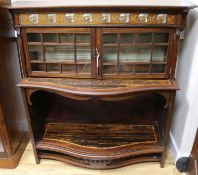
column 98, row 83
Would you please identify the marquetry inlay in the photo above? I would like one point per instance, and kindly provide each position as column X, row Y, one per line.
column 97, row 18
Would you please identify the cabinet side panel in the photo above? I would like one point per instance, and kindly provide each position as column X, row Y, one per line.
column 10, row 76
column 1, row 146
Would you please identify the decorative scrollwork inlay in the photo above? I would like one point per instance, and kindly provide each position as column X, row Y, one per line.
column 51, row 18
column 97, row 163
column 124, row 17
column 106, row 17
column 34, row 18
column 79, row 18
column 69, row 17
column 87, row 17
column 143, row 18
column 161, row 18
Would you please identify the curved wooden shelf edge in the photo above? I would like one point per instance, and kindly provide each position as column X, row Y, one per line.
column 108, row 92
column 100, row 165
column 100, row 153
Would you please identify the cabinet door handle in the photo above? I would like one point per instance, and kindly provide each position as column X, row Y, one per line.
column 97, row 60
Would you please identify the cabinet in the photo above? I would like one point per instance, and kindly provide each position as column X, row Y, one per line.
column 98, row 83
column 13, row 128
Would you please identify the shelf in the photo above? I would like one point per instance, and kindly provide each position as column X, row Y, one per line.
column 92, row 87
column 135, row 44
column 57, row 44
column 100, row 135
column 133, row 63
column 100, row 141
column 99, row 164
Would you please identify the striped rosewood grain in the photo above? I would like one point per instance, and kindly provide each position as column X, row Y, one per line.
column 100, row 135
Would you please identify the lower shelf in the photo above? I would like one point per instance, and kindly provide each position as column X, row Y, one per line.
column 100, row 146
column 97, row 163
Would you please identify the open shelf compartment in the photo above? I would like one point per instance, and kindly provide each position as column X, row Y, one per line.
column 83, row 131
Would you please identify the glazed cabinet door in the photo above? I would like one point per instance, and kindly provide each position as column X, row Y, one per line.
column 59, row 52
column 134, row 52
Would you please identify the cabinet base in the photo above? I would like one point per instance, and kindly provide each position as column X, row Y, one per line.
column 100, row 146
column 12, row 162
column 99, row 164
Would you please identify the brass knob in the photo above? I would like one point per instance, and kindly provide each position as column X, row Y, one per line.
column 124, row 17
column 87, row 17
column 106, row 17
column 34, row 18
column 69, row 18
column 51, row 18
column 143, row 17
column 161, row 18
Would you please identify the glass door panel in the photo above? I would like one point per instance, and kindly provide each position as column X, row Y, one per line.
column 109, row 54
column 125, row 68
column 35, row 52
column 134, row 53
column 39, row 67
column 127, row 38
column 130, row 52
column 109, row 69
column 83, row 38
column 158, row 68
column 83, row 53
column 109, row 38
column 68, row 68
column 159, row 53
column 161, row 38
column 144, row 37
column 59, row 52
column 34, row 37
column 141, row 68
column 51, row 67
column 84, row 68
column 50, row 38
column 66, row 37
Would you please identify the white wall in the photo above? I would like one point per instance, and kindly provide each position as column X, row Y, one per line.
column 185, row 120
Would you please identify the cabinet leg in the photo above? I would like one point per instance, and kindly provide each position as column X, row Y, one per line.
column 162, row 161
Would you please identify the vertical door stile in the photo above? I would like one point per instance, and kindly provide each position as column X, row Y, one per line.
column 134, row 43
column 75, row 54
column 93, row 53
column 99, row 53
column 118, row 53
column 151, row 53
column 60, row 64
column 43, row 52
column 172, row 53
column 26, row 52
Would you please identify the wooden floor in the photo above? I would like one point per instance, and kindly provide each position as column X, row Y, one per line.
column 27, row 166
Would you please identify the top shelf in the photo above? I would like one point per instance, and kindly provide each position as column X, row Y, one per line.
column 104, row 3
column 92, row 87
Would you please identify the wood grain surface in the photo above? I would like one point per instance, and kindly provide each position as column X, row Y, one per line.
column 50, row 167
column 100, row 135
